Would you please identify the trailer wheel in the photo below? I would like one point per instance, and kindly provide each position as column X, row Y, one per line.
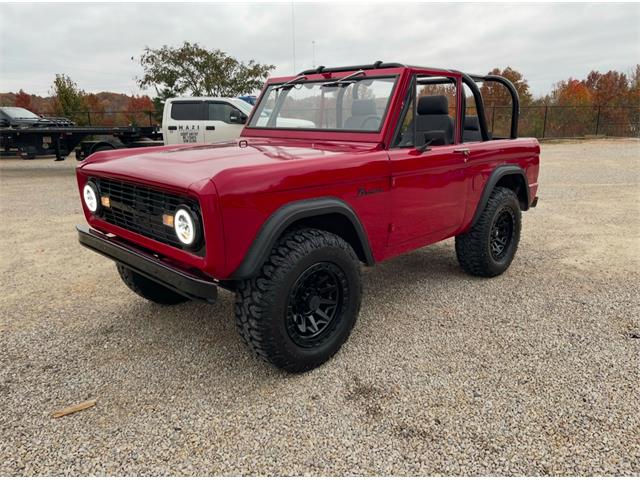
column 102, row 148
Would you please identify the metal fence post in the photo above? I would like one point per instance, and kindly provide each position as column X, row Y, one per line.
column 493, row 119
column 598, row 121
column 544, row 123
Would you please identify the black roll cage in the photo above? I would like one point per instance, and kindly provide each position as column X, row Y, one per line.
column 468, row 79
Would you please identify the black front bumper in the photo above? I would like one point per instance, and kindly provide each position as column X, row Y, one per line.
column 147, row 264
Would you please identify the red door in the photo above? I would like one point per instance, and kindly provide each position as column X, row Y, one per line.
column 428, row 194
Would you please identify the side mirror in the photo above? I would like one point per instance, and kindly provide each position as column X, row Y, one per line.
column 432, row 138
column 238, row 117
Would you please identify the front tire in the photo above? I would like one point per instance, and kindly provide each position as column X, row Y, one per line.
column 300, row 309
column 149, row 289
column 488, row 248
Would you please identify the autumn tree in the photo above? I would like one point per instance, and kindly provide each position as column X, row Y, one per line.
column 23, row 100
column 601, row 103
column 494, row 94
column 192, row 69
column 138, row 109
column 608, row 88
column 96, row 108
column 68, row 99
column 634, row 87
column 572, row 93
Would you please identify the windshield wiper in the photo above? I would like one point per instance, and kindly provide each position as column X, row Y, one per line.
column 345, row 80
column 291, row 82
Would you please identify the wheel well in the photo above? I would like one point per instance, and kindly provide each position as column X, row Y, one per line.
column 517, row 183
column 335, row 223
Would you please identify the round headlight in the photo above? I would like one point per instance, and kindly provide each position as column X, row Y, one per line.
column 90, row 194
column 185, row 226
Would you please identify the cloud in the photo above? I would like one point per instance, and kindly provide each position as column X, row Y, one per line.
column 94, row 43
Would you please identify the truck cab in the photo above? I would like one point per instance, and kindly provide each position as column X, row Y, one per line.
column 203, row 119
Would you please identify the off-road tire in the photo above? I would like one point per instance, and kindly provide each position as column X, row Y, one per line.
column 149, row 289
column 473, row 248
column 263, row 308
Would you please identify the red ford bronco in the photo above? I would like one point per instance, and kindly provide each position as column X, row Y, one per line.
column 387, row 158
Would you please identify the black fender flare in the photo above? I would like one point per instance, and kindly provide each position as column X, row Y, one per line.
column 285, row 216
column 500, row 172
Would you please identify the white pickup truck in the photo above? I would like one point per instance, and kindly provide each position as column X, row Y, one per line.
column 210, row 119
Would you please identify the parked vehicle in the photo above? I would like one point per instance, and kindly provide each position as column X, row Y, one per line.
column 210, row 119
column 285, row 216
column 18, row 117
column 27, row 135
column 251, row 99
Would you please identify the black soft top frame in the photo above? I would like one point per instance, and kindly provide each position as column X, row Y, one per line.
column 468, row 79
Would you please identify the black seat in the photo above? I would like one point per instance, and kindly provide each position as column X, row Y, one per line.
column 433, row 119
column 364, row 116
column 471, row 132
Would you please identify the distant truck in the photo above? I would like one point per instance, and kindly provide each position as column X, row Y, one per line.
column 212, row 119
column 27, row 135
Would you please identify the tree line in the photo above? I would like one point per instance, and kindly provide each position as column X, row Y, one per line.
column 610, row 98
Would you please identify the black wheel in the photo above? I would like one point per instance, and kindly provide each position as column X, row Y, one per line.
column 300, row 309
column 149, row 289
column 488, row 248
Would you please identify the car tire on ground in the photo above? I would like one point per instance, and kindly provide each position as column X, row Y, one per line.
column 488, row 248
column 300, row 308
column 149, row 289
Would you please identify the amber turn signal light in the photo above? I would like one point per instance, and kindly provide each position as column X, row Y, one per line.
column 167, row 220
column 106, row 203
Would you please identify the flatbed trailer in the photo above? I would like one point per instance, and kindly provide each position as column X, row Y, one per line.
column 30, row 142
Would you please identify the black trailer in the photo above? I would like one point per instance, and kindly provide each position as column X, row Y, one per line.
column 29, row 142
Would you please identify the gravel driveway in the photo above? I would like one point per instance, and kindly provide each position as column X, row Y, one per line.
column 536, row 372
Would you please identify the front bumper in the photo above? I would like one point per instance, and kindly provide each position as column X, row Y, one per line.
column 149, row 265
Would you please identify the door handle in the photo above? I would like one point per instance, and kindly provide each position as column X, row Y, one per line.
column 172, row 127
column 210, row 127
column 463, row 151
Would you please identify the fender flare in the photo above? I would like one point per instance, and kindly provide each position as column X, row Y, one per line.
column 500, row 172
column 285, row 216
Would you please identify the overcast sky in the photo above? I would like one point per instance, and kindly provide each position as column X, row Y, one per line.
column 94, row 43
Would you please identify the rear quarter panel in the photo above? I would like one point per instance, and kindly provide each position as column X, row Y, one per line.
column 487, row 156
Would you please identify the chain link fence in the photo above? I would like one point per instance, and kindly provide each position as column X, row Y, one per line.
column 110, row 118
column 540, row 121
column 550, row 121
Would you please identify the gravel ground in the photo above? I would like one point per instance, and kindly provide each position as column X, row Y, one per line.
column 535, row 372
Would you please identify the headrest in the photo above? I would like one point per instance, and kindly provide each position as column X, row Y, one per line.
column 471, row 123
column 363, row 107
column 433, row 105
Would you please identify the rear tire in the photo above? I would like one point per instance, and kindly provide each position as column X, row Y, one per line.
column 300, row 308
column 148, row 289
column 488, row 248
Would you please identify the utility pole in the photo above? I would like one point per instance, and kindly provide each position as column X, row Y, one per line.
column 293, row 36
column 313, row 48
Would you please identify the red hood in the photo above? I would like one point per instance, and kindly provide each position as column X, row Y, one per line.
column 182, row 165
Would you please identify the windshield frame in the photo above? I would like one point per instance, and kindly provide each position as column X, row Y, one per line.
column 324, row 79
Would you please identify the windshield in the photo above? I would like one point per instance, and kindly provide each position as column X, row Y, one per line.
column 355, row 104
column 19, row 112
